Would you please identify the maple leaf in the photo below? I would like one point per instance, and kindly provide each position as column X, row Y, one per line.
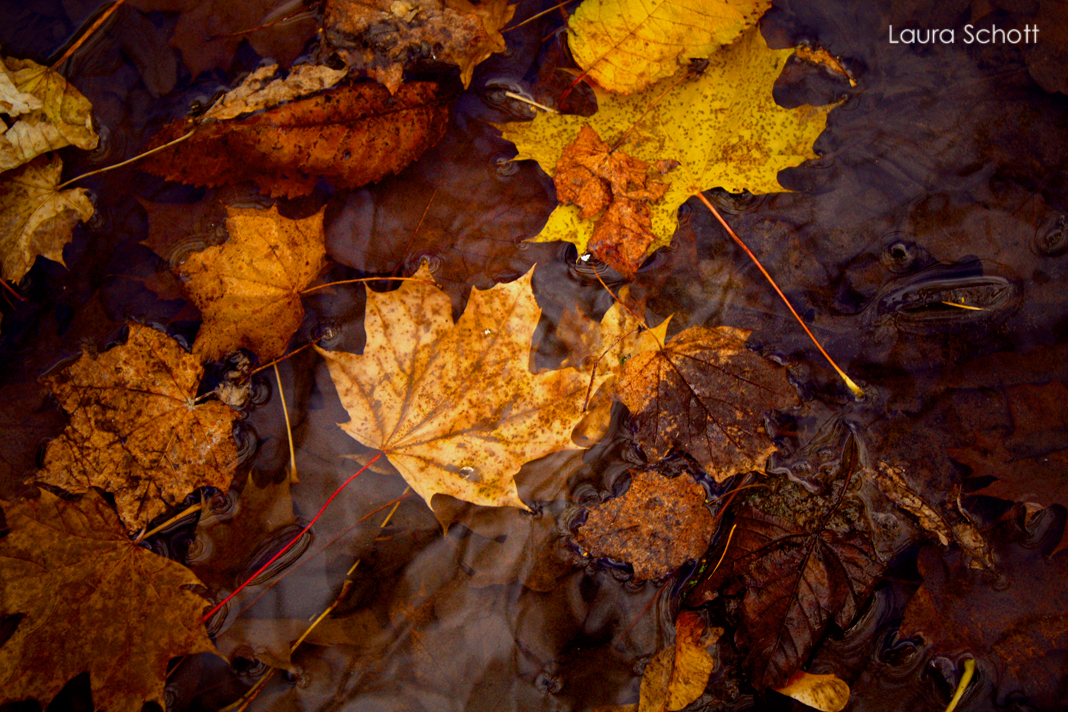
column 52, row 113
column 91, row 600
column 386, row 37
column 706, row 394
column 721, row 130
column 627, row 45
column 35, row 218
column 351, row 135
column 248, row 288
column 678, row 675
column 136, row 430
column 455, row 407
column 657, row 525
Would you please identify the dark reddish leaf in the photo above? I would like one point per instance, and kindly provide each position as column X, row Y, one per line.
column 351, row 135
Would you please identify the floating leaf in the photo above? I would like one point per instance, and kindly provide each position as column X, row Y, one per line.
column 92, row 600
column 136, row 429
column 248, row 288
column 627, row 45
column 825, row 693
column 35, row 218
column 678, row 675
column 264, row 89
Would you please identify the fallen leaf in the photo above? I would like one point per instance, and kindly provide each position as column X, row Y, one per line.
column 386, row 37
column 825, row 693
column 678, row 675
column 455, row 407
column 351, row 135
column 28, row 419
column 264, row 89
column 35, row 218
column 248, row 288
column 626, row 45
column 136, row 430
column 706, row 394
column 91, row 600
column 51, row 113
column 723, row 127
column 656, row 526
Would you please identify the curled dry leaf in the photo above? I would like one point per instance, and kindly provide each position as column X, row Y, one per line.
column 50, row 113
column 455, row 407
column 385, row 37
column 706, row 394
column 248, row 288
column 350, row 135
column 35, row 218
column 656, row 526
column 825, row 693
column 627, row 45
column 678, row 675
column 264, row 88
column 92, row 600
column 136, row 429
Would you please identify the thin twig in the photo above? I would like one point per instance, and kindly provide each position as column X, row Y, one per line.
column 177, row 517
column 520, row 97
column 535, row 17
column 309, row 290
column 129, row 160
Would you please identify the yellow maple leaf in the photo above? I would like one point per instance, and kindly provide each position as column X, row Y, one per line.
column 723, row 127
column 248, row 288
column 626, row 45
column 455, row 407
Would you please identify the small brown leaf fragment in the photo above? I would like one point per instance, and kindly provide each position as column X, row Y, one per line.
column 656, row 526
column 350, row 135
column 706, row 394
column 264, row 89
column 248, row 288
column 93, row 601
column 825, row 693
column 136, row 430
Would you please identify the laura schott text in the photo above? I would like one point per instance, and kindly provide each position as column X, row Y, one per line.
column 971, row 35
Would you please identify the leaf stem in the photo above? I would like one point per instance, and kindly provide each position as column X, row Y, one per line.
column 87, row 34
column 289, row 430
column 853, row 387
column 367, row 279
column 535, row 17
column 138, row 157
column 177, row 517
column 969, row 670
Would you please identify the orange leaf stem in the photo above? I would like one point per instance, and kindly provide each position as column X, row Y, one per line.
column 87, row 34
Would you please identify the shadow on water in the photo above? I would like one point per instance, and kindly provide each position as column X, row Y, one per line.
column 927, row 247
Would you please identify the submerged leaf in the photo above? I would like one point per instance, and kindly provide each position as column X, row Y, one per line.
column 136, row 430
column 93, row 601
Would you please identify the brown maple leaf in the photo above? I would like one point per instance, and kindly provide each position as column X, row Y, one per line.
column 656, row 526
column 705, row 394
column 598, row 179
column 136, row 429
column 91, row 600
column 248, row 288
column 350, row 135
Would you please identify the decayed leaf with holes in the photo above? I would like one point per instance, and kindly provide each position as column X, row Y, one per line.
column 455, row 407
column 678, row 675
column 627, row 45
column 351, row 135
column 92, row 600
column 386, row 37
column 248, row 288
column 706, row 394
column 50, row 113
column 136, row 430
column 35, row 218
column 723, row 127
column 659, row 524
column 264, row 88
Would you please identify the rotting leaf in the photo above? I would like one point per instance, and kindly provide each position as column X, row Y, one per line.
column 455, row 407
column 264, row 89
column 656, row 526
column 705, row 394
column 136, row 430
column 35, row 218
column 678, row 675
column 627, row 45
column 248, row 288
column 93, row 601
column 350, row 135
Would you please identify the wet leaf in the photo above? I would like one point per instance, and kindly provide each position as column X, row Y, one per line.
column 386, row 37
column 626, row 45
column 656, row 526
column 248, row 288
column 93, row 601
column 705, row 394
column 723, row 127
column 455, row 407
column 28, row 419
column 350, row 135
column 136, row 430
column 825, row 693
column 264, row 89
column 678, row 675
column 50, row 113
column 35, row 218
